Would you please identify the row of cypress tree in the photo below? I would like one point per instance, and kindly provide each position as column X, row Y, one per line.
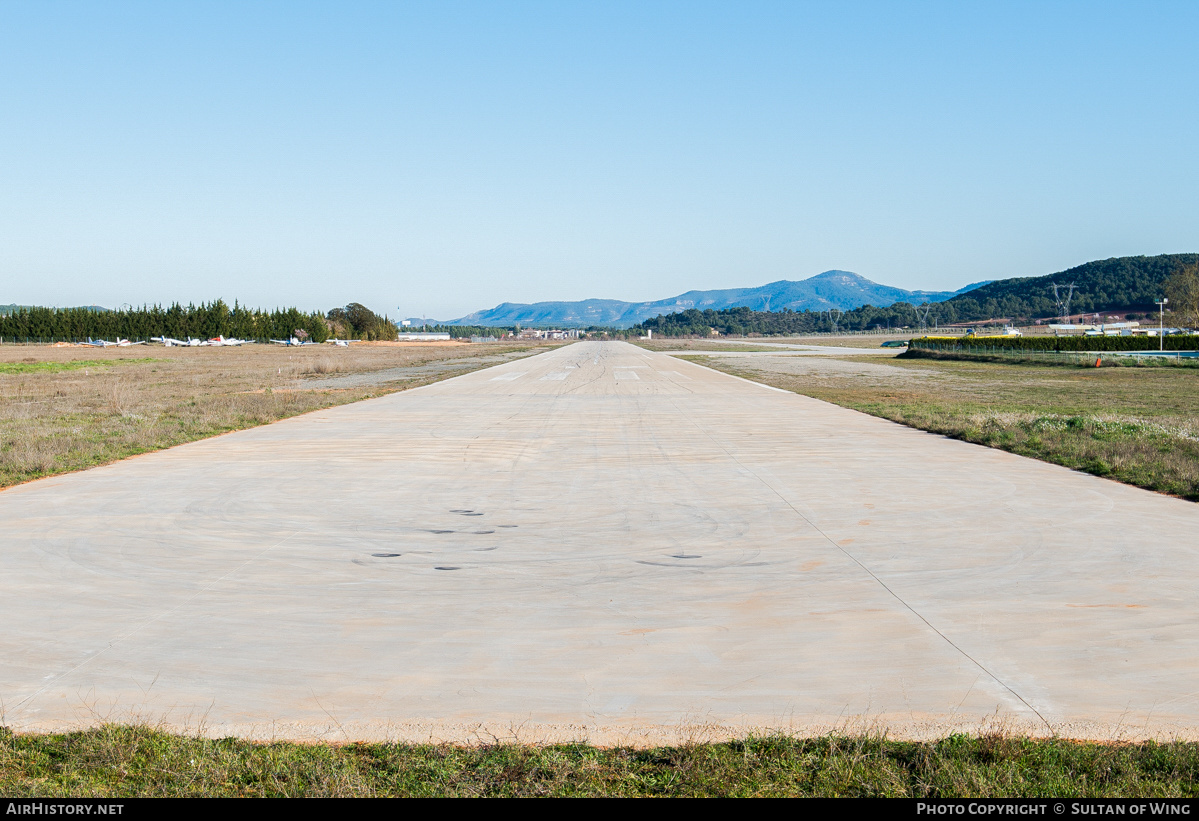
column 202, row 321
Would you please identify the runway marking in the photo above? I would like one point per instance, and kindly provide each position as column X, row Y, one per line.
column 624, row 375
column 508, row 377
column 557, row 376
column 675, row 374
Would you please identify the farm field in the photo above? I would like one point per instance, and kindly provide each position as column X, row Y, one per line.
column 67, row 409
column 1135, row 425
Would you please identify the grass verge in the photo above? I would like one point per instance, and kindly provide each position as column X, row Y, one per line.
column 128, row 761
column 61, row 412
column 1137, row 425
column 34, row 366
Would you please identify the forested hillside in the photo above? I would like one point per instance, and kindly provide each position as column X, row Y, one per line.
column 1117, row 284
column 1120, row 284
column 739, row 321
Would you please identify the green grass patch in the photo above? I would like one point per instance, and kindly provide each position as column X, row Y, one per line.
column 50, row 367
column 75, row 365
column 123, row 761
column 1131, row 424
column 1145, row 454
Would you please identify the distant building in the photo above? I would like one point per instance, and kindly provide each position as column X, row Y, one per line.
column 538, row 333
column 416, row 336
column 1110, row 329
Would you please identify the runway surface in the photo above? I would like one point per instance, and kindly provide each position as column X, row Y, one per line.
column 597, row 543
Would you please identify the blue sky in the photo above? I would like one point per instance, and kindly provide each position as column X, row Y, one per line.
column 442, row 157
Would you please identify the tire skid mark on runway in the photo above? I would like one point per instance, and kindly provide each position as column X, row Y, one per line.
column 680, row 479
column 504, row 422
column 514, row 452
column 603, row 372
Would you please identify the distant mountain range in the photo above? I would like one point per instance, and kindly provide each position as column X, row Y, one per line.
column 832, row 289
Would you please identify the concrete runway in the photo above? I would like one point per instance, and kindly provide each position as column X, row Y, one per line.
column 596, row 543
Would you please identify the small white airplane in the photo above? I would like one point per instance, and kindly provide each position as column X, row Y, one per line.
column 179, row 343
column 104, row 343
column 292, row 341
column 220, row 341
column 341, row 343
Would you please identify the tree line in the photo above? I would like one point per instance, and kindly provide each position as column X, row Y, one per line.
column 204, row 321
column 742, row 321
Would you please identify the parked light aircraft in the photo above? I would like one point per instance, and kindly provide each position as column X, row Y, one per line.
column 216, row 341
column 341, row 343
column 292, row 341
column 104, row 343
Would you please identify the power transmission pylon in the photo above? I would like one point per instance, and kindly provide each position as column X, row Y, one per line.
column 1063, row 305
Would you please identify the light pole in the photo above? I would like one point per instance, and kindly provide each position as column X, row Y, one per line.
column 1161, row 322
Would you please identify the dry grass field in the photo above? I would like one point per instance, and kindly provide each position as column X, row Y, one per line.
column 66, row 409
column 1135, row 425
